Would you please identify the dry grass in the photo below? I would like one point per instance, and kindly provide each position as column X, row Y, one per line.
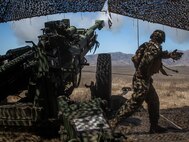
column 173, row 90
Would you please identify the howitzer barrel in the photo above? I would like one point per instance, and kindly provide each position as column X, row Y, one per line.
column 87, row 38
column 16, row 61
column 19, row 50
column 99, row 24
column 90, row 36
column 12, row 53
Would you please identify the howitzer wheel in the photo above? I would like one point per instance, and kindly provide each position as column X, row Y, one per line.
column 104, row 77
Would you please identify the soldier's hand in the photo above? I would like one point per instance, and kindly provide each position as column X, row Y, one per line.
column 175, row 55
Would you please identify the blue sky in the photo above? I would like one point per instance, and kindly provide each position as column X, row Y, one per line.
column 122, row 37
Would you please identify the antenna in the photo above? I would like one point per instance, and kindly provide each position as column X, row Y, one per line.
column 138, row 32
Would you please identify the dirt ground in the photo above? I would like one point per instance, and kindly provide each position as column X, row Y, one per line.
column 173, row 92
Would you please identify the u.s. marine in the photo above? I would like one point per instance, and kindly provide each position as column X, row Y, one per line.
column 147, row 61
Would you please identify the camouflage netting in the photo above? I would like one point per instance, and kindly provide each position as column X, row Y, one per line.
column 19, row 9
column 173, row 13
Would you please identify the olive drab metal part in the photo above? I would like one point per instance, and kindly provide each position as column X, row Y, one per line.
column 36, row 81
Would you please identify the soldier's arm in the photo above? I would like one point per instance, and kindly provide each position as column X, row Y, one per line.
column 175, row 55
column 165, row 54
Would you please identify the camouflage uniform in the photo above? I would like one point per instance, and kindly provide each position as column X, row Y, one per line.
column 143, row 90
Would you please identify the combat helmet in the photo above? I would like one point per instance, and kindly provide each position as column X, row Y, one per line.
column 158, row 35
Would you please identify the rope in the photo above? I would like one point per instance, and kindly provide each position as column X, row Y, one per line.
column 178, row 127
column 176, row 71
column 171, row 122
column 138, row 32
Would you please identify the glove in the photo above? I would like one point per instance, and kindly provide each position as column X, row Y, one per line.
column 175, row 55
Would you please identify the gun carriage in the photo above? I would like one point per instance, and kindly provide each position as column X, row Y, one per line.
column 43, row 76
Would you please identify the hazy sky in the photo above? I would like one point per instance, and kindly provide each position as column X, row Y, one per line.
column 122, row 37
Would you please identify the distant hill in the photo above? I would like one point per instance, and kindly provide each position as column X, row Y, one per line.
column 122, row 59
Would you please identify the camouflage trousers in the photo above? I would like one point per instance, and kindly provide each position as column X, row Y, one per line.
column 143, row 90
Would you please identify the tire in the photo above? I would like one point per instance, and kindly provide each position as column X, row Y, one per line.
column 104, row 77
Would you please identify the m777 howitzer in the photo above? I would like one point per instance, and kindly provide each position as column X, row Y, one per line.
column 42, row 78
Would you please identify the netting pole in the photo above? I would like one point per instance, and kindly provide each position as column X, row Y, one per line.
column 138, row 32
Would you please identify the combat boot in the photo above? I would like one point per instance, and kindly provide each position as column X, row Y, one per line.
column 157, row 129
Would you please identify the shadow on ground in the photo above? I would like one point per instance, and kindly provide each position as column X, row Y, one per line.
column 176, row 120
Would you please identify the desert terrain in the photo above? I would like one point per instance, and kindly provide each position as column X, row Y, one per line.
column 173, row 92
